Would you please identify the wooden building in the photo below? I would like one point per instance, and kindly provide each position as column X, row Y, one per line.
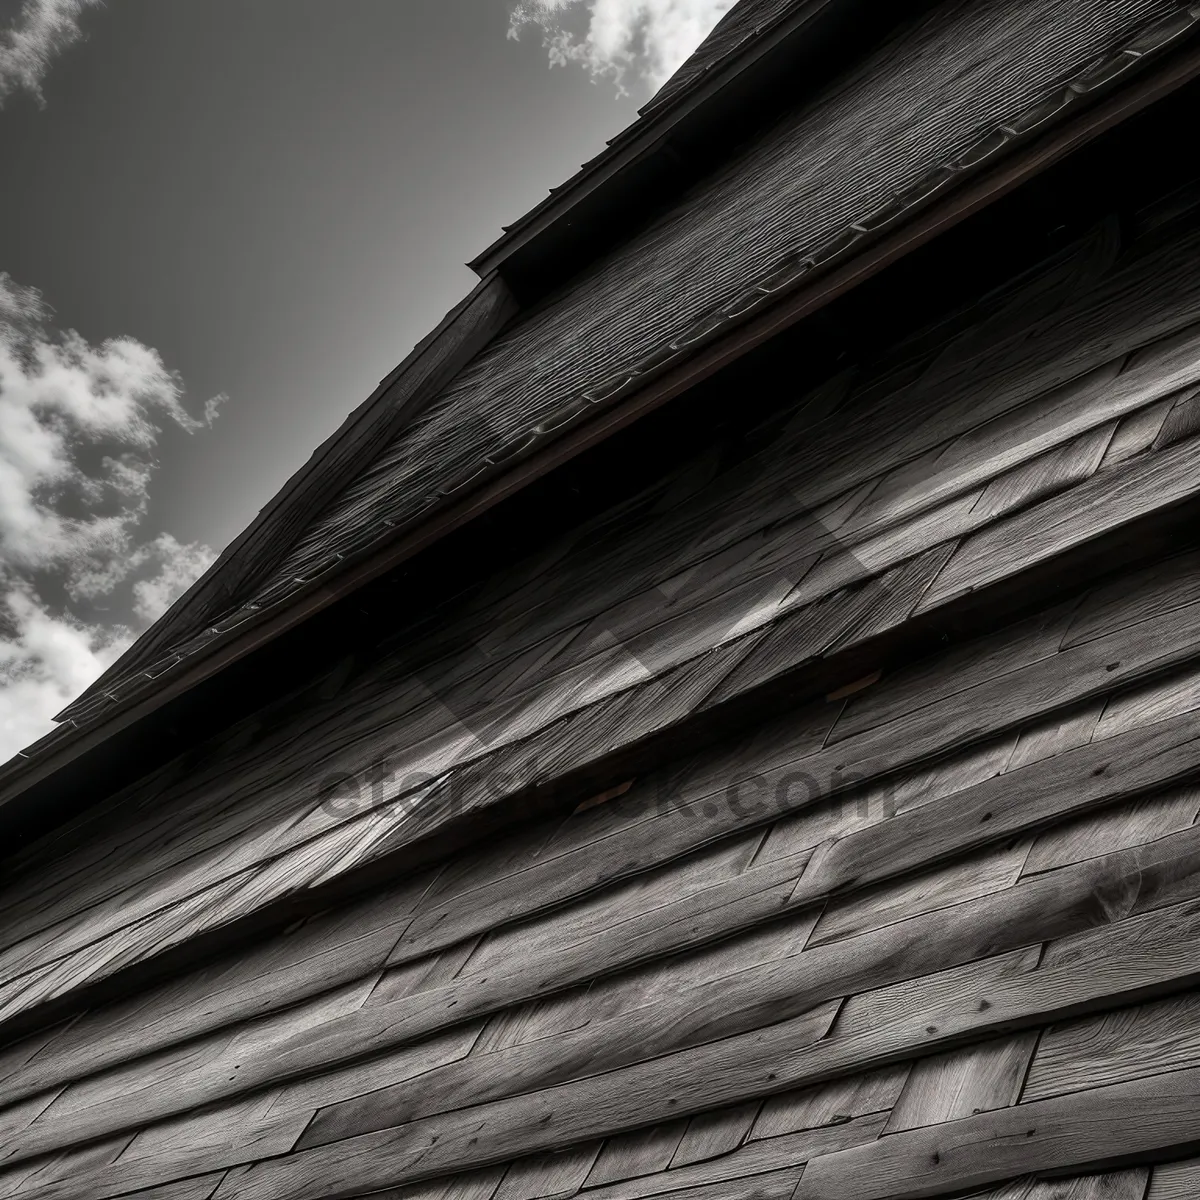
column 720, row 721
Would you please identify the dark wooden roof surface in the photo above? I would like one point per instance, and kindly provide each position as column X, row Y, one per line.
column 921, row 103
column 941, row 89
column 951, row 466
column 845, row 783
column 933, row 929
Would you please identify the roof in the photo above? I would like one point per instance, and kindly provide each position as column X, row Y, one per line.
column 744, row 21
column 924, row 930
column 676, row 142
column 915, row 119
column 813, row 549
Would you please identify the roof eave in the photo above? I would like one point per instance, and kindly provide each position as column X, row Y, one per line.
column 611, row 193
column 21, row 777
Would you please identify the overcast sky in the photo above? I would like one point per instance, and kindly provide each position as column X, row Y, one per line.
column 222, row 222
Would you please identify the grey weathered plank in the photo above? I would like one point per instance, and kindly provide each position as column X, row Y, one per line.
column 1005, row 805
column 1178, row 692
column 710, row 1135
column 992, row 870
column 770, row 1185
column 1136, row 432
column 1172, row 583
column 224, row 1051
column 959, row 669
column 1115, row 1046
column 56, row 1172
column 1130, row 824
column 471, row 1185
column 1183, row 421
column 832, row 1103
column 1056, row 471
column 1108, row 1185
column 1175, row 1181
column 756, row 1159
column 1078, row 1131
column 383, row 1174
column 1056, row 734
column 536, row 1019
column 631, row 1155
column 16, row 1118
column 358, row 1077
column 302, row 963
column 1115, row 498
column 559, row 1173
column 975, row 1079
column 636, row 897
column 893, row 596
column 191, row 1145
column 199, row 1187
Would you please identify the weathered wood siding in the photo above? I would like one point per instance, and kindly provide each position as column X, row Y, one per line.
column 933, row 930
column 976, row 967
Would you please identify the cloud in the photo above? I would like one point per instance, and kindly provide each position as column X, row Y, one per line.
column 45, row 662
column 179, row 566
column 78, row 426
column 42, row 30
column 615, row 38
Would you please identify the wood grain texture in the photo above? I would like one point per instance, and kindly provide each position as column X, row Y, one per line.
column 1092, row 1128
column 1107, row 1185
column 1118, row 1045
column 817, row 950
column 1130, row 824
column 755, row 1160
column 210, row 1076
column 711, row 1135
column 342, row 848
column 630, row 1155
column 913, row 1017
column 963, row 1082
column 1174, row 1181
column 558, row 1174
column 833, row 1103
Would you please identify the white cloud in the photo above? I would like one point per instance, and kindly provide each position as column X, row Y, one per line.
column 613, row 38
column 43, row 29
column 179, row 566
column 45, row 662
column 78, row 425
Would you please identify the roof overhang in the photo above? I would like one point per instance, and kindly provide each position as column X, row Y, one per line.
column 678, row 141
column 39, row 791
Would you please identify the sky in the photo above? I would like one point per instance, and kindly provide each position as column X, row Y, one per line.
column 222, row 222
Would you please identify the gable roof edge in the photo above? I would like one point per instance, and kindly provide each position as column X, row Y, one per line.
column 650, row 147
column 399, row 398
column 246, row 632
